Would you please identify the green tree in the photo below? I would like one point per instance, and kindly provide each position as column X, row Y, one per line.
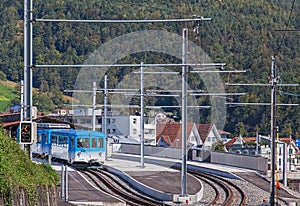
column 2, row 76
column 218, row 146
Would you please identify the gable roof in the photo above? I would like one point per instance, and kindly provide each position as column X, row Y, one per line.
column 223, row 132
column 171, row 132
column 249, row 139
column 287, row 140
column 204, row 130
column 230, row 142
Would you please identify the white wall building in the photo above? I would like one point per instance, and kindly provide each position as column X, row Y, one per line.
column 84, row 118
column 130, row 126
column 284, row 157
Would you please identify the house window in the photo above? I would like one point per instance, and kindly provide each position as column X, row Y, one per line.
column 290, row 151
column 134, row 131
column 113, row 130
column 134, row 121
column 113, row 120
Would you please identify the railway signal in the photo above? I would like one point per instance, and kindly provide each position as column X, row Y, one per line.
column 27, row 132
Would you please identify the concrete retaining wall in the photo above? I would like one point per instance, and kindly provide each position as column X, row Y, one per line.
column 166, row 152
column 238, row 160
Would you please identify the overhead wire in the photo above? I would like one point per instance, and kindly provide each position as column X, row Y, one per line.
column 286, row 26
column 280, row 45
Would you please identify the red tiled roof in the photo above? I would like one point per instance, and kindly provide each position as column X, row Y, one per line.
column 48, row 119
column 246, row 139
column 171, row 132
column 249, row 139
column 224, row 132
column 230, row 142
column 204, row 130
column 7, row 124
column 287, row 140
column 6, row 114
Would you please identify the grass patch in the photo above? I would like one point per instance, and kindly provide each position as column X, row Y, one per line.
column 7, row 93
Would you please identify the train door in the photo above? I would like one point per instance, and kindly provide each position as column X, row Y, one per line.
column 71, row 150
column 45, row 144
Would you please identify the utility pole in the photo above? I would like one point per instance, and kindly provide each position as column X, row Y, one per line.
column 184, row 112
column 104, row 119
column 27, row 84
column 27, row 60
column 273, row 129
column 94, row 107
column 142, row 116
column 22, row 101
column 273, row 82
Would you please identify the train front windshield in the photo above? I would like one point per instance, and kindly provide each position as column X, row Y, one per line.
column 90, row 143
column 97, row 143
column 83, row 142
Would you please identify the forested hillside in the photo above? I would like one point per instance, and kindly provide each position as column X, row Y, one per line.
column 242, row 34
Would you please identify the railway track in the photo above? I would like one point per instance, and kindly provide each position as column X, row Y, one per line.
column 226, row 192
column 116, row 187
column 264, row 184
column 210, row 188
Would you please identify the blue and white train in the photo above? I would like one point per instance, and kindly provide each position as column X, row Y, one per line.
column 72, row 146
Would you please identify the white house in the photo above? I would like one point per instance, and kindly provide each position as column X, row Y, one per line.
column 169, row 135
column 209, row 135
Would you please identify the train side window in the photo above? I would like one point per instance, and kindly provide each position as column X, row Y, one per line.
column 44, row 138
column 72, row 142
column 62, row 141
column 39, row 138
column 94, row 143
column 54, row 140
column 100, row 143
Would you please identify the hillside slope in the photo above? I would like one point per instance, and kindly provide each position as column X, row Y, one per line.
column 241, row 34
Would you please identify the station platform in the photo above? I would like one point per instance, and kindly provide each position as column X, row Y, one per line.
column 218, row 169
column 160, row 182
